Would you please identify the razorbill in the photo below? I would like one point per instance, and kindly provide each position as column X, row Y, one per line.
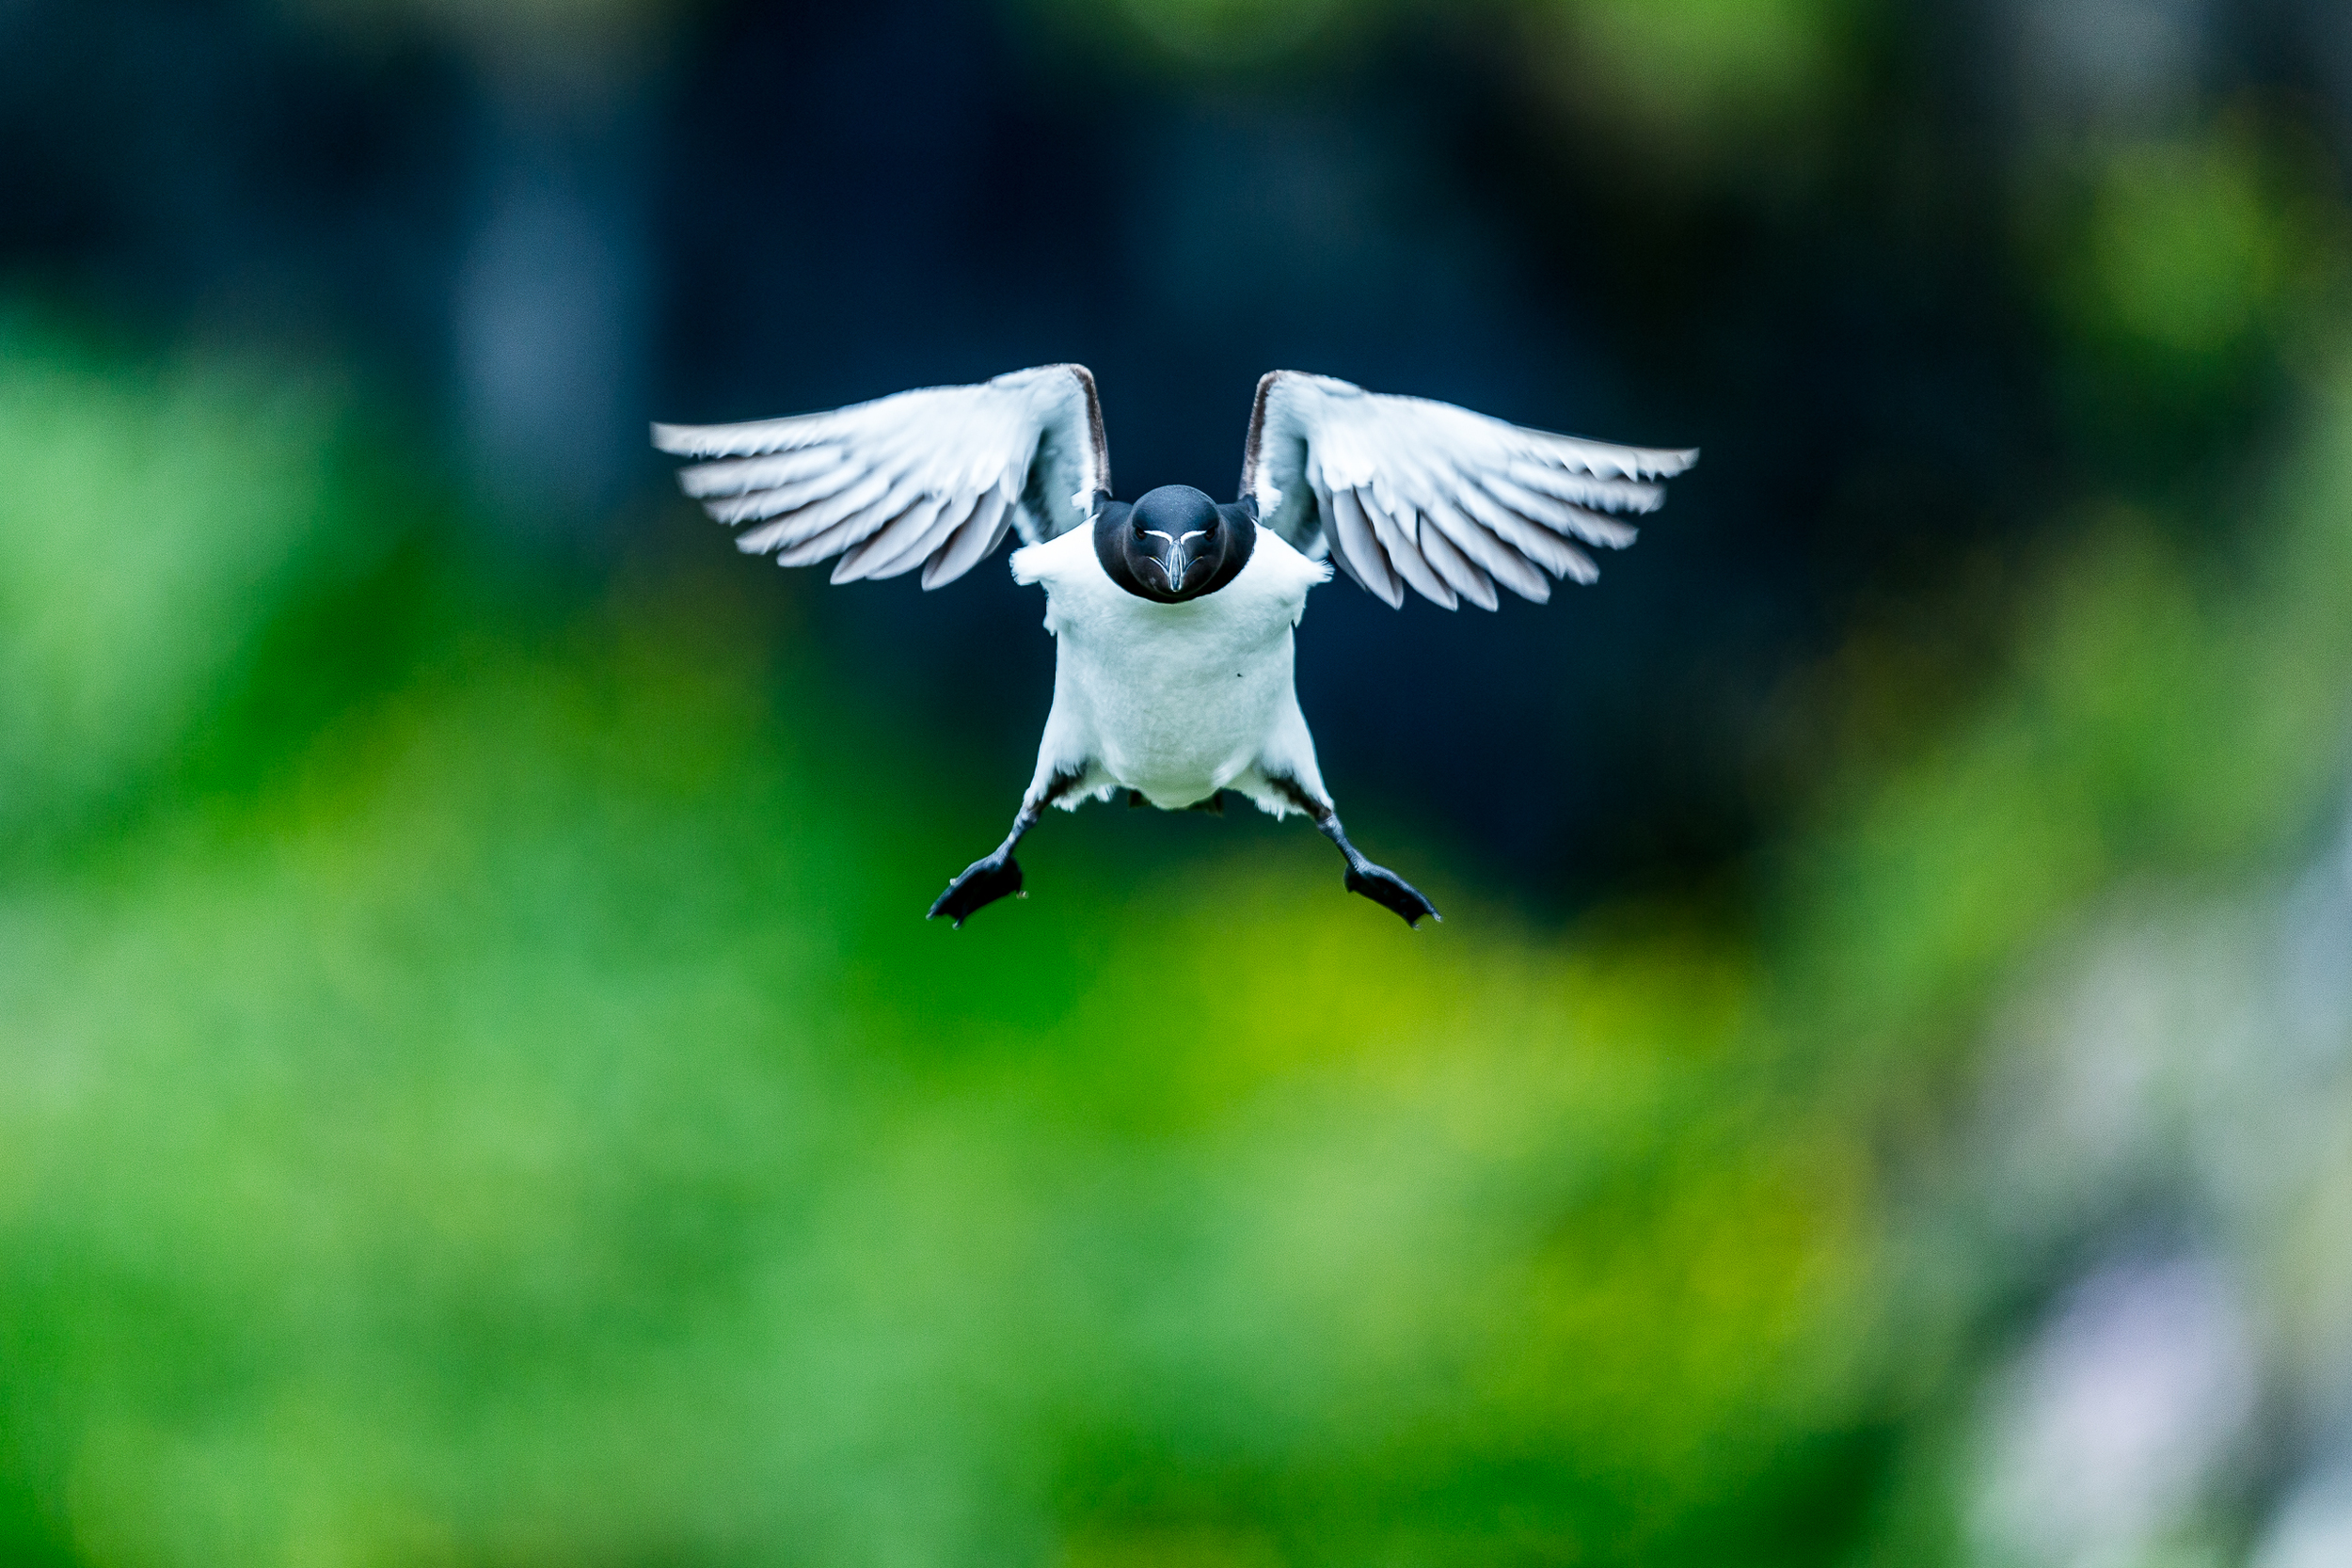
column 1172, row 616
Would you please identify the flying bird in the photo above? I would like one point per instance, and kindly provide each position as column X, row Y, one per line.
column 1172, row 615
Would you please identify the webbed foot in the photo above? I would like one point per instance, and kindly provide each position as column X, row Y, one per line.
column 1391, row 892
column 982, row 883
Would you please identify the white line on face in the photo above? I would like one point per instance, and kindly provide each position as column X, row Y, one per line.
column 1174, row 545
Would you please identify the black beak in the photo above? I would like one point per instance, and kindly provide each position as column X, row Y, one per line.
column 1180, row 559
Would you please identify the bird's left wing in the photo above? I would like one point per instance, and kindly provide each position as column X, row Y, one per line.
column 931, row 477
column 1404, row 492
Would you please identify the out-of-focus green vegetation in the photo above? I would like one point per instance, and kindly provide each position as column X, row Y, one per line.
column 527, row 1120
column 157, row 527
column 518, row 1116
column 1683, row 75
column 475, row 1085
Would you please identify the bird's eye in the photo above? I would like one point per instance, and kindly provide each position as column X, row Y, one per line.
column 1140, row 530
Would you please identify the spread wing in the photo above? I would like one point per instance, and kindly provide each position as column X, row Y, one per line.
column 1403, row 491
column 931, row 477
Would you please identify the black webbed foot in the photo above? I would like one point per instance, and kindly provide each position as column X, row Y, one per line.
column 1389, row 891
column 1378, row 883
column 982, row 883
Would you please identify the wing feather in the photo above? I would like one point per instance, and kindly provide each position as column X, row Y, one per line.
column 1615, row 495
column 753, row 505
column 1357, row 548
column 757, row 435
column 741, row 476
column 1549, row 550
column 1512, row 569
column 933, row 477
column 797, row 527
column 1395, row 534
column 1404, row 491
column 888, row 542
column 972, row 541
column 1559, row 515
column 784, row 501
column 909, row 542
column 1456, row 568
column 933, row 539
column 850, row 529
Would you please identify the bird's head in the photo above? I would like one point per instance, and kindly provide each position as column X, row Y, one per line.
column 1173, row 545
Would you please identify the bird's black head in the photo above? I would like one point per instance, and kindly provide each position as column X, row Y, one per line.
column 1173, row 545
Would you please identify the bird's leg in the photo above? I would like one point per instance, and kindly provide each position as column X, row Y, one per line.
column 998, row 875
column 1376, row 883
column 994, row 875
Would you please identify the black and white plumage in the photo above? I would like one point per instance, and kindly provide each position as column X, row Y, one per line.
column 1173, row 616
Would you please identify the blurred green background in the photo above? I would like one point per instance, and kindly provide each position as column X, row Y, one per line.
column 475, row 1086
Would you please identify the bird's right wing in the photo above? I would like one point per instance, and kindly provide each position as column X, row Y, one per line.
column 931, row 477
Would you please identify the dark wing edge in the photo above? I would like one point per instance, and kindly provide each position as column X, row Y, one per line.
column 1266, row 470
column 1067, row 474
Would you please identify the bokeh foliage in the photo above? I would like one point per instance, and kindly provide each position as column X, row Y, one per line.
column 516, row 1116
column 478, row 1089
column 526, row 1119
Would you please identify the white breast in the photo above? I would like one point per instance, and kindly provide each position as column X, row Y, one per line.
column 1173, row 699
